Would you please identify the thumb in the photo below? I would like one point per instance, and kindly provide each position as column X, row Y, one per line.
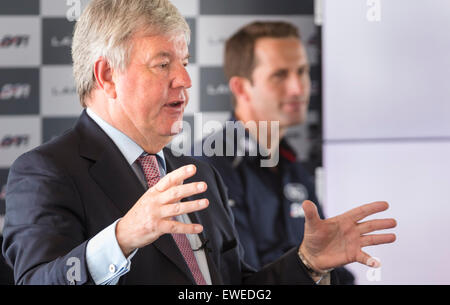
column 311, row 214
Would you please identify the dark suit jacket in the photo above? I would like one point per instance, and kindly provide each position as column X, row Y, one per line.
column 64, row 192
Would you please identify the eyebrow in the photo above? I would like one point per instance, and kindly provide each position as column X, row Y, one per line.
column 286, row 69
column 167, row 54
column 303, row 66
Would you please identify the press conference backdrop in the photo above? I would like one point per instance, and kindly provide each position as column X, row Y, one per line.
column 38, row 100
column 386, row 116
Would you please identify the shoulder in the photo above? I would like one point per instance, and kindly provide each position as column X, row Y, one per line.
column 50, row 155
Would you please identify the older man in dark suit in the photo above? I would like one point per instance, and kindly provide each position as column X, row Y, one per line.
column 106, row 204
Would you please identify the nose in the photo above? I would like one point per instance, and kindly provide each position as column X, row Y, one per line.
column 181, row 78
column 297, row 85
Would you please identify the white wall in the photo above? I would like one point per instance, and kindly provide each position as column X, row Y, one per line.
column 387, row 128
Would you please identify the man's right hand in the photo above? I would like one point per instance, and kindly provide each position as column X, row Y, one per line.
column 152, row 215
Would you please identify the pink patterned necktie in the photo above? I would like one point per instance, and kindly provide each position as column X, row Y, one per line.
column 151, row 170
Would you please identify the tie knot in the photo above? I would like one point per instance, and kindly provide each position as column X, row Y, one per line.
column 149, row 165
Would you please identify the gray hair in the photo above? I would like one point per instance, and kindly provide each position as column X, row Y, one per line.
column 105, row 29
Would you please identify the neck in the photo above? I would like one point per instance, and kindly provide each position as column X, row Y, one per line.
column 148, row 142
column 268, row 134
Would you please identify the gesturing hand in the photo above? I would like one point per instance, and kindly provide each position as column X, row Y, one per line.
column 152, row 215
column 338, row 240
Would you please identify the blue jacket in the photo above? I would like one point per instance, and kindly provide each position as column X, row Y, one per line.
column 266, row 201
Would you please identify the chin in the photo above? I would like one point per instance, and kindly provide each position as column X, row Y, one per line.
column 174, row 129
column 291, row 122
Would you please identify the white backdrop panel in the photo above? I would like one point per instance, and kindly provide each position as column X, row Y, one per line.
column 386, row 78
column 414, row 179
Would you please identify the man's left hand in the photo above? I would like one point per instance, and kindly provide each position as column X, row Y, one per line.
column 337, row 241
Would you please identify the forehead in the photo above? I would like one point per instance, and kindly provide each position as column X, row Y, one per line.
column 273, row 52
column 173, row 45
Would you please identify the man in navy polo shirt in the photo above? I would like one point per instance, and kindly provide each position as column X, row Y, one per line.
column 268, row 73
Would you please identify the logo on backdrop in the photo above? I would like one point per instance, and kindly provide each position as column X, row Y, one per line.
column 15, row 91
column 14, row 41
column 57, row 42
column 63, row 91
column 19, row 91
column 14, row 141
column 220, row 89
column 214, row 90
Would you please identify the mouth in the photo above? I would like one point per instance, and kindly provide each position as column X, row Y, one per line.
column 175, row 104
column 293, row 105
column 296, row 103
column 175, row 108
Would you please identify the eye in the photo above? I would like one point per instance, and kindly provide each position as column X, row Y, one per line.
column 163, row 65
column 303, row 70
column 280, row 74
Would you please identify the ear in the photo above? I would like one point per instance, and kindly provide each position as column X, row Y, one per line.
column 240, row 86
column 104, row 77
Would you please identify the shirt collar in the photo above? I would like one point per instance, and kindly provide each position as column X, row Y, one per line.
column 247, row 144
column 250, row 146
column 129, row 149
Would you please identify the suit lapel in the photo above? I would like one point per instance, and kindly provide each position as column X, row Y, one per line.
column 173, row 163
column 110, row 169
column 167, row 246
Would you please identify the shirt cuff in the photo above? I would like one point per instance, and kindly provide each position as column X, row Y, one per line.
column 105, row 260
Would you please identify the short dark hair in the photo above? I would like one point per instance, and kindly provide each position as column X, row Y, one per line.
column 240, row 48
column 239, row 59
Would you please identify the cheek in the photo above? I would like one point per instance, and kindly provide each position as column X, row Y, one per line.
column 267, row 103
column 150, row 95
column 307, row 86
column 128, row 87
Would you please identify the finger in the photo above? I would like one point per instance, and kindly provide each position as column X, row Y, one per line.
column 375, row 225
column 178, row 192
column 367, row 260
column 363, row 211
column 176, row 227
column 377, row 239
column 311, row 214
column 181, row 208
column 175, row 177
column 373, row 262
